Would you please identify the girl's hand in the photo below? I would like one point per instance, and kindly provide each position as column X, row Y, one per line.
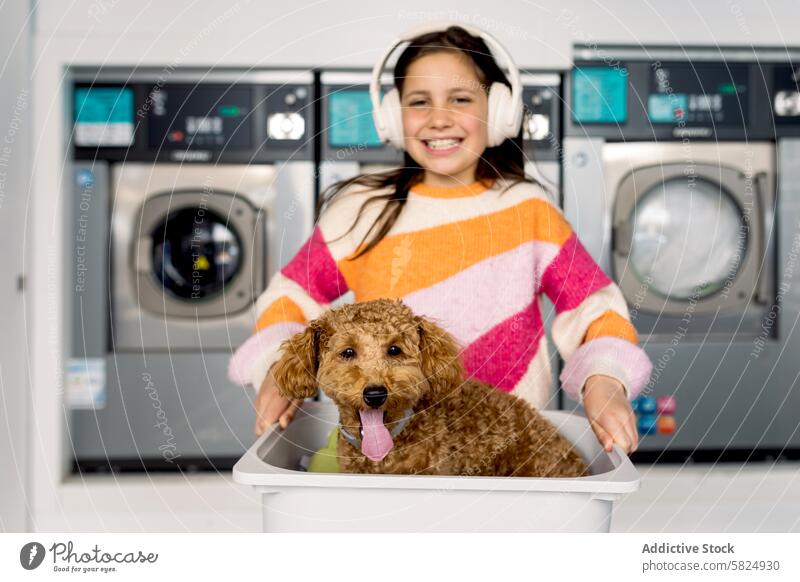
column 271, row 406
column 610, row 414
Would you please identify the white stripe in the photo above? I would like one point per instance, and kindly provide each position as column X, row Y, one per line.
column 569, row 327
column 419, row 213
column 536, row 385
column 428, row 212
column 281, row 286
column 475, row 300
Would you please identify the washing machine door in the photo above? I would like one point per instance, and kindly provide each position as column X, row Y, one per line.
column 191, row 259
column 685, row 234
column 194, row 255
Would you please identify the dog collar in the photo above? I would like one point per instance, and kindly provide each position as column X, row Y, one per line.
column 398, row 427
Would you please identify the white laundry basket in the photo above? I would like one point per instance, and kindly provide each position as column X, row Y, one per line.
column 296, row 501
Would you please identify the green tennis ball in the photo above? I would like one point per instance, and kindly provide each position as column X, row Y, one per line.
column 325, row 459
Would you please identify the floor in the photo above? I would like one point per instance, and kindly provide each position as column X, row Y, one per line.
column 758, row 497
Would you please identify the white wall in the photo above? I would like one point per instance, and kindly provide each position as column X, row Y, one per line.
column 339, row 32
column 15, row 106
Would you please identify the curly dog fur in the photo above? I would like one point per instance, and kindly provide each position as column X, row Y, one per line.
column 457, row 428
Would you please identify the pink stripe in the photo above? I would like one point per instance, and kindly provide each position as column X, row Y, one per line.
column 472, row 302
column 572, row 276
column 257, row 346
column 314, row 269
column 502, row 356
column 609, row 356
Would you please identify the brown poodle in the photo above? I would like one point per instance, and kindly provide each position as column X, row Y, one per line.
column 404, row 405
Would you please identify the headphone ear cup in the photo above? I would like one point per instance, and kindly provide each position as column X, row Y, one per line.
column 392, row 118
column 505, row 115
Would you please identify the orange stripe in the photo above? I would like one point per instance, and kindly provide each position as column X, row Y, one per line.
column 611, row 324
column 282, row 310
column 403, row 263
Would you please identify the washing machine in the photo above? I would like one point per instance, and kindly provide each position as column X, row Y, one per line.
column 190, row 251
column 697, row 235
column 671, row 182
column 190, row 192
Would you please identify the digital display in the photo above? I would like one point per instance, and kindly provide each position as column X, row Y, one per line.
column 103, row 117
column 698, row 94
column 599, row 95
column 204, row 117
column 350, row 120
column 667, row 108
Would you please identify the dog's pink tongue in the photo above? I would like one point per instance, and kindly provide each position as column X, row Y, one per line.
column 376, row 442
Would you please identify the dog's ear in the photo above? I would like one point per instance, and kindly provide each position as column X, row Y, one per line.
column 296, row 371
column 439, row 356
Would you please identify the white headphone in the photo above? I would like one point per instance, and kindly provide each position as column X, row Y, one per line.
column 505, row 107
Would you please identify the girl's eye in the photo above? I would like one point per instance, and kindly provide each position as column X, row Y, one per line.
column 463, row 100
column 394, row 351
column 348, row 353
column 417, row 103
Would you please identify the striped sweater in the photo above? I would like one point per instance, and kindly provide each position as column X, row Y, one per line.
column 475, row 260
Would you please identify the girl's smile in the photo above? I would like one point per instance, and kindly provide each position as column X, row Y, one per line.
column 445, row 108
column 442, row 146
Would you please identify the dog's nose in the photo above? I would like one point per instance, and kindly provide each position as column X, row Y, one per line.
column 375, row 395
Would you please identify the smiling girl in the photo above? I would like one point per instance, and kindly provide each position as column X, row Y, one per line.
column 462, row 236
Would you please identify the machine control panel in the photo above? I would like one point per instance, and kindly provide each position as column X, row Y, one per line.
column 634, row 95
column 698, row 94
column 347, row 133
column 599, row 94
column 239, row 118
column 349, row 113
column 541, row 130
column 184, row 117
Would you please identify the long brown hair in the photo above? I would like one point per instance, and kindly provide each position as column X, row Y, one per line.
column 505, row 161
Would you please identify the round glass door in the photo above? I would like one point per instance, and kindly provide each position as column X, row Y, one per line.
column 195, row 253
column 689, row 238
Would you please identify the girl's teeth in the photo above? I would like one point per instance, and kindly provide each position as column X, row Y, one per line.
column 440, row 144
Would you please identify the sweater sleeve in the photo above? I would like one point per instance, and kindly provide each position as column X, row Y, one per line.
column 298, row 293
column 592, row 328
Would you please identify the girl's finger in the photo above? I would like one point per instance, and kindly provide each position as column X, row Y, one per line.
column 629, row 425
column 263, row 417
column 287, row 416
column 284, row 420
column 273, row 410
column 602, row 435
column 619, row 433
column 633, row 432
column 261, row 425
column 294, row 407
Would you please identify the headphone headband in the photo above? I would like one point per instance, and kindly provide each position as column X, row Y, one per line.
column 494, row 46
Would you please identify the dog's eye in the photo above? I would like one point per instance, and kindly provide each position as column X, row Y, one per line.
column 348, row 353
column 394, row 351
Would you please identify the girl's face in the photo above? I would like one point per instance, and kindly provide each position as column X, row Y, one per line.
column 445, row 109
